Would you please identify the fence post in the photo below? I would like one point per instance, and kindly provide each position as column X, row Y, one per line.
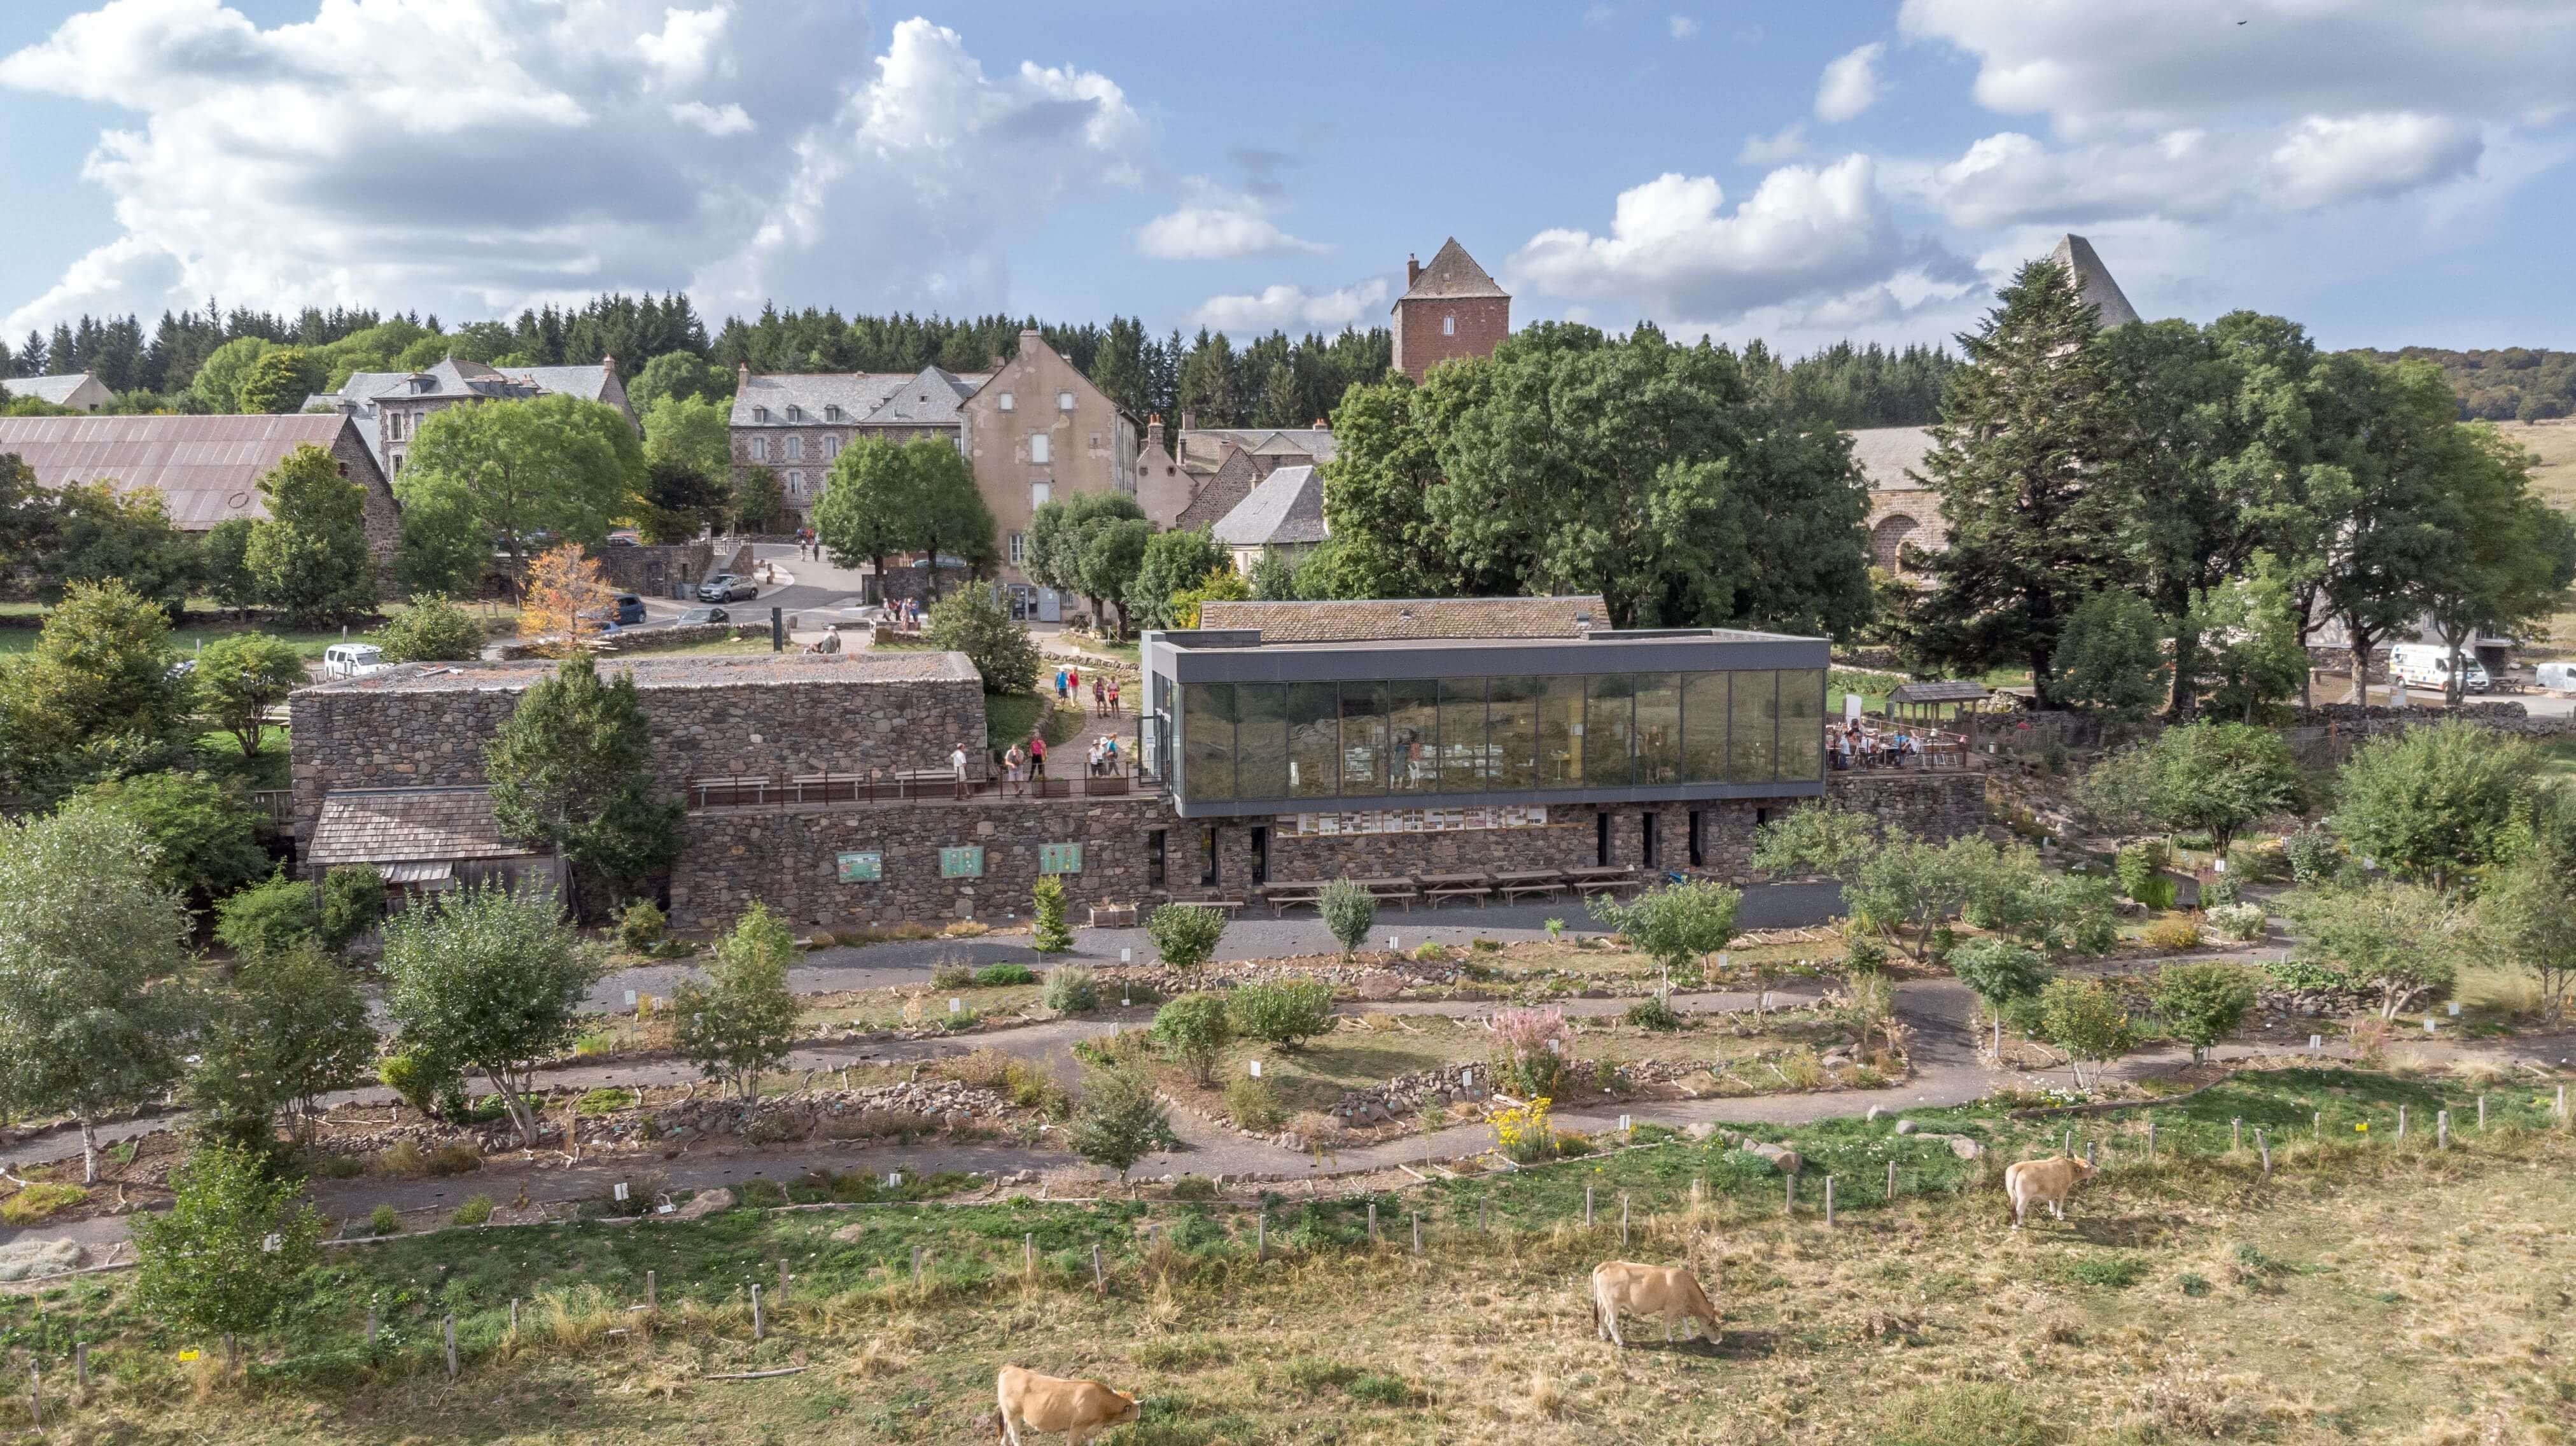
column 1372, row 1222
column 1417, row 1232
column 1485, row 1216
column 782, row 1280
column 652, row 1294
column 2562, row 1104
column 2441, row 1129
column 2265, row 1146
column 371, row 1327
column 2151, row 1142
column 514, row 1315
column 80, row 1366
column 1099, row 1278
column 1587, row 1207
column 36, row 1394
column 2401, row 1124
column 1829, row 1202
column 759, row 1327
column 1791, row 1207
column 1699, row 1188
column 1028, row 1255
column 2235, row 1135
column 2482, row 1114
column 1261, row 1236
column 2070, row 1142
column 1623, row 1220
column 447, row 1332
column 2317, row 1123
column 1891, row 1182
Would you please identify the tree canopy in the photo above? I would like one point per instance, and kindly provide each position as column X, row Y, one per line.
column 503, row 476
column 572, row 770
column 885, row 499
column 308, row 558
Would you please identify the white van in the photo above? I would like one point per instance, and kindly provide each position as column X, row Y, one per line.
column 353, row 660
column 2556, row 677
column 2428, row 665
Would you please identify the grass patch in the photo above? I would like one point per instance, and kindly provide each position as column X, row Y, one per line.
column 1011, row 717
column 41, row 1201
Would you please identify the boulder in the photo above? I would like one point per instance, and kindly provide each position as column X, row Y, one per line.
column 1701, row 1131
column 1782, row 1158
column 850, row 1232
column 1873, row 1114
column 1905, row 1127
column 704, row 1204
column 1964, row 1148
column 29, row 1259
column 505, row 1215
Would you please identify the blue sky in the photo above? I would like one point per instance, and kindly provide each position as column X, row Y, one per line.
column 2385, row 172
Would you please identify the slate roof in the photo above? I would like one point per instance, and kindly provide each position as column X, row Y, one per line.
column 56, row 390
column 1939, row 690
column 1452, row 273
column 1203, row 448
column 1287, row 509
column 1374, row 620
column 206, row 469
column 2092, row 280
column 1219, row 492
column 393, row 825
column 1885, row 454
column 716, row 671
column 915, row 399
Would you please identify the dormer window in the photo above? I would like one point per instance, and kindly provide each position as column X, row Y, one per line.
column 760, row 414
column 796, row 414
column 1007, row 402
column 831, row 414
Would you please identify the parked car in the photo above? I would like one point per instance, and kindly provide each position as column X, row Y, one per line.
column 706, row 615
column 630, row 608
column 626, row 537
column 725, row 587
column 2558, row 677
column 353, row 660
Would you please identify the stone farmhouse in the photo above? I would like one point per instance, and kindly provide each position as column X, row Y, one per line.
column 796, row 423
column 206, row 468
column 390, row 406
column 1280, row 745
column 1209, row 471
column 79, row 391
column 1284, row 516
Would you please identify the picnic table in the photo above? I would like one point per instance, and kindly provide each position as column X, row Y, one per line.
column 1229, row 906
column 1436, row 887
column 1282, row 897
column 1516, row 882
column 1398, row 889
column 1607, row 879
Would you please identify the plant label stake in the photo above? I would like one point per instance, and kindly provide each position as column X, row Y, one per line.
column 759, row 1326
column 1099, row 1278
column 2318, row 1124
column 1485, row 1216
column 1372, row 1222
column 2316, row 1044
column 372, row 1327
column 514, row 1315
column 1829, row 1202
column 782, row 1279
column 2265, row 1147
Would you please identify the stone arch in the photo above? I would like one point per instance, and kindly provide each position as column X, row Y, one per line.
column 1887, row 541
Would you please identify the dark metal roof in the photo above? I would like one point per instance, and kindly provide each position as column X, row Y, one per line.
column 1939, row 690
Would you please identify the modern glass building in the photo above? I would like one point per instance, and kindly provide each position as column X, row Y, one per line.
column 1241, row 724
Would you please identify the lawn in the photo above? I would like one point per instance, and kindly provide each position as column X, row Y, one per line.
column 2363, row 1291
column 204, row 625
column 1011, row 717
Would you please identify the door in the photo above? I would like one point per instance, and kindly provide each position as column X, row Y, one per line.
column 1260, row 855
column 1601, row 839
column 1050, row 606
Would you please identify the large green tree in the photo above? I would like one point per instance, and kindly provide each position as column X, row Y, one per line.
column 2509, row 555
column 2206, row 777
column 741, row 1023
column 488, row 979
column 98, row 695
column 292, row 1029
column 91, row 953
column 572, row 770
column 280, row 380
column 681, row 500
column 309, row 558
column 2436, row 802
column 2022, row 462
column 204, row 835
column 97, row 534
column 1174, row 564
column 693, row 432
column 498, row 474
column 1091, row 545
column 240, row 677
column 885, row 499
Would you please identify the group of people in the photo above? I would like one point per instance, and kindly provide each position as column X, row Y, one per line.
column 904, row 614
column 1852, row 746
column 1104, row 690
column 1024, row 762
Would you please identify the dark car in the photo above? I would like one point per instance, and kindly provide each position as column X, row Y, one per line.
column 706, row 615
column 630, row 608
column 725, row 587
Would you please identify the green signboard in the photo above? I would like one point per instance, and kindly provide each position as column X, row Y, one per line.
column 865, row 868
column 962, row 863
column 1061, row 858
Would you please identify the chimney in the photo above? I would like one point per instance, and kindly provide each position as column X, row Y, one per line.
column 1154, row 432
column 1188, row 421
column 1412, row 270
column 608, row 362
column 741, row 375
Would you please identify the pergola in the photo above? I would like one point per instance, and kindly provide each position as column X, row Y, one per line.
column 1922, row 702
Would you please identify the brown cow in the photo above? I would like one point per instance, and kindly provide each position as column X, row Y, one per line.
column 1668, row 1291
column 1080, row 1409
column 2043, row 1182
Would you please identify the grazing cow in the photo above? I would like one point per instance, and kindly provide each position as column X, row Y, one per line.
column 1080, row 1409
column 1668, row 1291
column 2043, row 1182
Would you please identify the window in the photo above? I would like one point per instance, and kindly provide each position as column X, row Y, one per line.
column 1802, row 725
column 1463, row 749
column 1260, row 740
column 795, row 414
column 1314, row 741
column 760, row 449
column 1038, row 448
column 1006, row 402
column 1413, row 736
column 1039, row 492
column 1511, row 738
column 1363, row 739
column 1647, row 851
column 1608, row 716
column 1207, row 741
column 1448, row 326
column 1560, row 732
column 1704, row 727
column 1019, row 548
column 795, row 449
column 1064, row 401
column 831, row 448
column 795, row 484
column 832, row 413
column 1753, row 734
column 760, row 414
column 1659, row 728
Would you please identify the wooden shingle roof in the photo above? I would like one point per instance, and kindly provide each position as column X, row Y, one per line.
column 396, row 825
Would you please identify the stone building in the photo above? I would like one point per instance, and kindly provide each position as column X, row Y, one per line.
column 1037, row 430
column 390, row 406
column 796, row 423
column 1283, row 517
column 206, row 468
column 1449, row 309
column 1209, row 471
column 1281, row 743
column 79, row 391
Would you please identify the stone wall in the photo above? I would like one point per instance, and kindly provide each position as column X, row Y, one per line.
column 789, row 859
column 765, row 714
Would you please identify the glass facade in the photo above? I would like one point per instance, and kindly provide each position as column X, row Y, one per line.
column 1489, row 735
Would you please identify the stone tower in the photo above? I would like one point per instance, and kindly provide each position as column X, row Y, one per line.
column 1449, row 309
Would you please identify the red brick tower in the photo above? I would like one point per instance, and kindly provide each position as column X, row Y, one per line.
column 1450, row 309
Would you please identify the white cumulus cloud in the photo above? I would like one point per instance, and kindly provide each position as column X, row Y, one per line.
column 1294, row 307
column 2326, row 159
column 1850, row 84
column 1787, row 144
column 1672, row 244
column 473, row 156
column 1215, row 224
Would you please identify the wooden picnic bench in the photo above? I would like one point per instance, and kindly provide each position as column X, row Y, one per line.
column 1392, row 890
column 1231, row 907
column 1605, row 880
column 1516, row 882
column 1436, row 887
column 1285, row 896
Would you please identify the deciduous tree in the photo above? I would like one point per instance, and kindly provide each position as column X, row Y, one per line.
column 240, row 677
column 490, row 979
column 973, row 621
column 501, row 475
column 1174, row 563
column 292, row 1029
column 741, row 1023
column 2434, row 802
column 2206, row 777
column 565, row 602
column 572, row 770
column 233, row 1254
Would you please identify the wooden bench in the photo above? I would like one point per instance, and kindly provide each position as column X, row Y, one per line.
column 1231, row 907
column 1604, row 880
column 1283, row 897
column 1394, row 890
column 732, row 792
column 1436, row 887
column 1529, row 881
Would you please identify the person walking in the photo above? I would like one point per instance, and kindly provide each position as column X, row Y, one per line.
column 1012, row 763
column 957, row 767
column 1113, row 697
column 1037, row 757
column 1099, row 697
column 1059, row 684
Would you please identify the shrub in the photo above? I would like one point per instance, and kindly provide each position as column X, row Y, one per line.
column 477, row 1210
column 2221, row 891
column 353, row 901
column 1349, row 911
column 1430, row 953
column 2141, row 870
column 413, row 1080
column 994, row 976
column 2313, row 856
column 1865, row 954
column 2086, row 1020
column 431, row 630
column 39, row 1202
column 2171, row 936
column 641, row 927
column 1655, row 1014
column 974, row 621
column 1282, row 1011
column 384, row 1220
column 2000, row 972
column 2244, row 923
column 1523, row 1132
column 2203, row 1003
column 270, row 917
column 1184, row 936
column 1120, row 1120
column 1071, row 989
column 1254, row 1104
column 1194, row 1029
column 1555, row 929
column 1050, row 934
column 1193, row 1187
column 1535, row 1045
column 1381, row 1390
column 2308, row 974
column 952, row 974
column 1965, row 1415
